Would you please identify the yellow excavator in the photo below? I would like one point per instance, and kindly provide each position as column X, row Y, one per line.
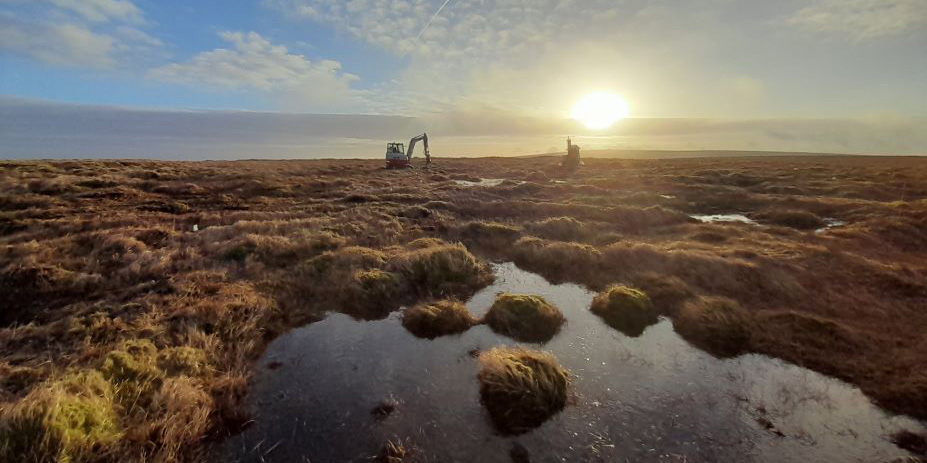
column 397, row 157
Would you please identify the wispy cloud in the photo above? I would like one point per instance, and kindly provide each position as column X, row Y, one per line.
column 59, row 44
column 255, row 63
column 96, row 34
column 103, row 10
column 863, row 19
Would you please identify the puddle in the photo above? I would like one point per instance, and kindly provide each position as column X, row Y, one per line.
column 482, row 182
column 648, row 399
column 830, row 222
column 668, row 196
column 723, row 218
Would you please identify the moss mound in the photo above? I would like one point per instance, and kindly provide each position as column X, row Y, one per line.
column 437, row 319
column 442, row 270
column 521, row 388
column 68, row 420
column 625, row 309
column 524, row 317
column 717, row 325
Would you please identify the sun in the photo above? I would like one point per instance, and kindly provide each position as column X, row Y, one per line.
column 600, row 110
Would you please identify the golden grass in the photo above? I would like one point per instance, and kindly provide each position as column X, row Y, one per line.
column 521, row 388
column 717, row 325
column 524, row 317
column 625, row 309
column 439, row 318
column 95, row 254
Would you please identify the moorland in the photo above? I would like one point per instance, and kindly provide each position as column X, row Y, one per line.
column 135, row 296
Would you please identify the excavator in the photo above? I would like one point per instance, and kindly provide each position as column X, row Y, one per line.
column 571, row 161
column 398, row 158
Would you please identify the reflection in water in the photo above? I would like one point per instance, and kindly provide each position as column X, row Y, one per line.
column 830, row 222
column 482, row 182
column 723, row 218
column 652, row 398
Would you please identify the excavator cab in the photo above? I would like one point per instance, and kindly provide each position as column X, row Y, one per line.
column 396, row 156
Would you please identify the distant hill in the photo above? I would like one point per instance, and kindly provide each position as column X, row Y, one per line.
column 668, row 154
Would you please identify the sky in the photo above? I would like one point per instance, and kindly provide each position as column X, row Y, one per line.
column 487, row 76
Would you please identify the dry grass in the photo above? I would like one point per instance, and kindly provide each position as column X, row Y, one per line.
column 718, row 325
column 439, row 318
column 625, row 309
column 97, row 255
column 913, row 442
column 524, row 317
column 521, row 388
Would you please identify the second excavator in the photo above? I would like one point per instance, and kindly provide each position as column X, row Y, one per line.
column 399, row 158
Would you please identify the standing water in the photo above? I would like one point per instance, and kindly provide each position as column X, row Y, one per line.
column 651, row 398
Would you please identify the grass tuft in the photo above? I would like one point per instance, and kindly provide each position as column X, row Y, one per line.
column 446, row 270
column 524, row 317
column 437, row 319
column 625, row 309
column 717, row 325
column 521, row 388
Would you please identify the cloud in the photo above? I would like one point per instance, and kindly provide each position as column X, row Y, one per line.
column 97, row 34
column 60, row 44
column 99, row 11
column 538, row 56
column 254, row 63
column 863, row 19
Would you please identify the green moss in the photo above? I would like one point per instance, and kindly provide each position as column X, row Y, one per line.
column 82, row 423
column 524, row 317
column 182, row 360
column 437, row 319
column 626, row 309
column 65, row 421
column 133, row 368
column 521, row 388
column 135, row 360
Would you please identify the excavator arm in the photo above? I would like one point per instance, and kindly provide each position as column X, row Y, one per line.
column 421, row 138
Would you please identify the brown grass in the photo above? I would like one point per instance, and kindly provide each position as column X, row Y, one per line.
column 440, row 318
column 625, row 309
column 94, row 254
column 717, row 325
column 524, row 317
column 521, row 388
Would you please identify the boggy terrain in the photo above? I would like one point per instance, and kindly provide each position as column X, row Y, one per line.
column 134, row 296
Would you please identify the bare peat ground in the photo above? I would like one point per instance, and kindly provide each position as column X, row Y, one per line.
column 125, row 335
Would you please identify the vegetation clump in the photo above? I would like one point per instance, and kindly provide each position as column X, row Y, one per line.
column 559, row 228
column 521, row 388
column 438, row 318
column 69, row 420
column 625, row 309
column 718, row 325
column 491, row 236
column 524, row 317
column 444, row 270
column 183, row 360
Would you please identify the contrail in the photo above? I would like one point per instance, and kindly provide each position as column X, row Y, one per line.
column 432, row 19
